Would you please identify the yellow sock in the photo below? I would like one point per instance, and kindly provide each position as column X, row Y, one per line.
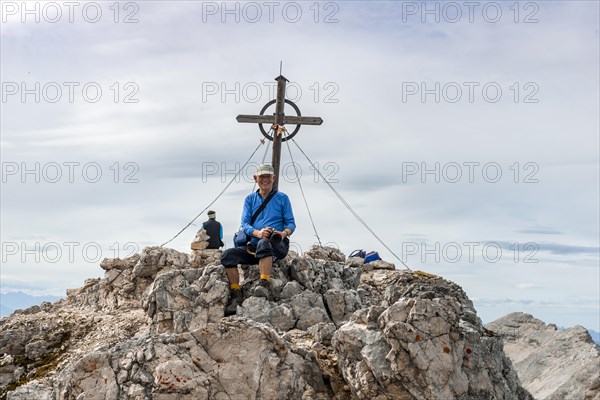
column 234, row 286
column 265, row 277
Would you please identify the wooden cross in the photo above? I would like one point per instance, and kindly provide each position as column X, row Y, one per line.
column 278, row 120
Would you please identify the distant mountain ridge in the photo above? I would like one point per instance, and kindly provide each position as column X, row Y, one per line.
column 551, row 363
column 11, row 301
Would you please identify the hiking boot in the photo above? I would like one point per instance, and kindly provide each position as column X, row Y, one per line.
column 235, row 300
column 263, row 289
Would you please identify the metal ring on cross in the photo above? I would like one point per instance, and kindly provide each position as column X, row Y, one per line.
column 289, row 136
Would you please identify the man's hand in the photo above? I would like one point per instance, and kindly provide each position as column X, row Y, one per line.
column 264, row 233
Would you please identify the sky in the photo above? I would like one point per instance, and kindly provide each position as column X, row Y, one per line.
column 464, row 134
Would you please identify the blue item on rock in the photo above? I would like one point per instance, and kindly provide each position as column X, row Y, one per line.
column 372, row 256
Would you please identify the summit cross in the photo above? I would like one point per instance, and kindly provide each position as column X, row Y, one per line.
column 277, row 121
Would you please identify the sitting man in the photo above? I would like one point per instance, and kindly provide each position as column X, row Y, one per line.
column 269, row 232
column 214, row 229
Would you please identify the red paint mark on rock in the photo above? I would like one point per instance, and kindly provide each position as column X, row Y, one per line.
column 469, row 351
column 446, row 349
column 417, row 338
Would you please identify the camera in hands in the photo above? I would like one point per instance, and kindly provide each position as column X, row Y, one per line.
column 275, row 237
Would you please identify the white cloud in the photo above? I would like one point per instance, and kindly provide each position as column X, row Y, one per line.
column 370, row 135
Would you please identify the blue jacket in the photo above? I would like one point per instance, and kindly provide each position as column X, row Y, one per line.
column 277, row 214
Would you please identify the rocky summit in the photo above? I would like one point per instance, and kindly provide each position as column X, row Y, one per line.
column 154, row 328
column 552, row 364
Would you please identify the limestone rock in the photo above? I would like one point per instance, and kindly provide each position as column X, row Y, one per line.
column 417, row 348
column 551, row 364
column 320, row 276
column 342, row 304
column 325, row 253
column 153, row 328
column 31, row 391
column 116, row 263
column 380, row 264
column 126, row 280
column 290, row 290
column 201, row 236
column 186, row 299
column 199, row 245
column 301, row 288
column 154, row 259
column 91, row 377
column 61, row 338
column 201, row 255
column 202, row 258
column 9, row 372
column 233, row 358
column 355, row 261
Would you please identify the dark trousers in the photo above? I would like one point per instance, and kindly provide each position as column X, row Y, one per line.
column 239, row 255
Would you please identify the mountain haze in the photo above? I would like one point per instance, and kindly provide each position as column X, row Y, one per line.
column 11, row 301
